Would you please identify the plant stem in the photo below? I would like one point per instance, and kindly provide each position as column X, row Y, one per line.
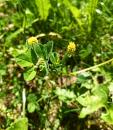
column 92, row 67
column 72, row 110
column 24, row 102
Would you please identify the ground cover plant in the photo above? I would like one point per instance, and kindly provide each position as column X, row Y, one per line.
column 56, row 63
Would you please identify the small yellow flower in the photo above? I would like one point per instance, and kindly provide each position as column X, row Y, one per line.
column 32, row 40
column 71, row 48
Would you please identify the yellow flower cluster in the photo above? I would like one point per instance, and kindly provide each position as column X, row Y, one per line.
column 32, row 40
column 71, row 48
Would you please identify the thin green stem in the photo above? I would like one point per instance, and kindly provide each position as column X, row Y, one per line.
column 72, row 110
column 92, row 67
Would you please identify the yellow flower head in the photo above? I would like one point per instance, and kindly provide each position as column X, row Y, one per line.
column 71, row 48
column 32, row 40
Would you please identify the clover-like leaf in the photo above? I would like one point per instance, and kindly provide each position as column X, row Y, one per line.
column 108, row 116
column 19, row 124
column 24, row 59
column 65, row 95
column 31, row 107
column 29, row 74
column 92, row 102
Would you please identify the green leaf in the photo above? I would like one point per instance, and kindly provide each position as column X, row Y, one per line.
column 34, row 56
column 43, row 8
column 19, row 124
column 43, row 51
column 29, row 74
column 108, row 116
column 17, row 52
column 31, row 107
column 52, row 58
column 24, row 60
column 92, row 5
column 81, row 78
column 65, row 95
column 13, row 36
column 38, row 49
column 31, row 97
column 48, row 49
column 49, row 46
column 2, row 69
column 86, row 52
column 74, row 10
column 93, row 102
column 90, row 11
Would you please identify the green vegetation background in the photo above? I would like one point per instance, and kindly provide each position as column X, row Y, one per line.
column 45, row 86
